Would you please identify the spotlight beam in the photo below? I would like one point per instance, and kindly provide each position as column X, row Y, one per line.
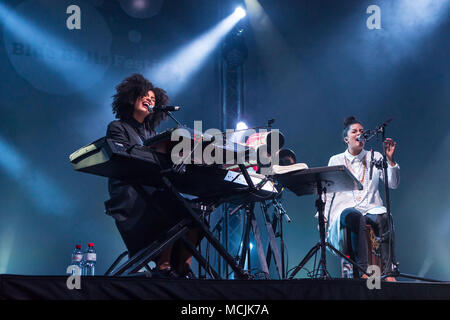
column 7, row 240
column 175, row 71
column 28, row 32
column 45, row 194
column 69, row 62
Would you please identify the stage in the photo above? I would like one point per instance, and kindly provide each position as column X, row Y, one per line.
column 257, row 135
column 20, row 287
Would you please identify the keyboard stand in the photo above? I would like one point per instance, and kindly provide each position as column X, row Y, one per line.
column 143, row 257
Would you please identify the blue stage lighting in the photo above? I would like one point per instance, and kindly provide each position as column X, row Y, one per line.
column 174, row 72
column 7, row 239
column 240, row 12
column 45, row 194
column 141, row 9
column 47, row 54
column 241, row 125
column 420, row 13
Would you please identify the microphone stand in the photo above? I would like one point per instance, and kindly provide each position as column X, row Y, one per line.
column 392, row 270
column 152, row 111
column 279, row 213
column 393, row 264
column 173, row 118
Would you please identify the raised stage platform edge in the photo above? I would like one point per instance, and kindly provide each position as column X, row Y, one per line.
column 22, row 287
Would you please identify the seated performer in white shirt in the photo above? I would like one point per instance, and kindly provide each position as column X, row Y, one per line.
column 353, row 209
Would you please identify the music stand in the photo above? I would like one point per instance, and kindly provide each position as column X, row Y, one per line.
column 319, row 181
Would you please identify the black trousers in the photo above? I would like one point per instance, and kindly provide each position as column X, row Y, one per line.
column 353, row 220
column 380, row 225
column 151, row 224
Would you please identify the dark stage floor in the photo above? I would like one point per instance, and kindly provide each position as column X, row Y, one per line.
column 19, row 287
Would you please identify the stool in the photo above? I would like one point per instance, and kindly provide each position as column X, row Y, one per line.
column 373, row 255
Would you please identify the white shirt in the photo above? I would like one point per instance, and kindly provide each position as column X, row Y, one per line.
column 367, row 200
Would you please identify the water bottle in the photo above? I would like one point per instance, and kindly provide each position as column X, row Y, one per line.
column 77, row 260
column 90, row 258
column 347, row 269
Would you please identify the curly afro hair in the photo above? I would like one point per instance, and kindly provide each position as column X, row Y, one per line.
column 133, row 88
column 162, row 99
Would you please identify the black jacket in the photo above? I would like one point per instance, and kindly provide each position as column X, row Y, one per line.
column 125, row 204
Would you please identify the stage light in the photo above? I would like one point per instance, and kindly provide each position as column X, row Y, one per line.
column 240, row 12
column 175, row 71
column 239, row 135
column 241, row 126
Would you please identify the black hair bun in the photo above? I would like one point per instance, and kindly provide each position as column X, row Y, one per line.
column 349, row 121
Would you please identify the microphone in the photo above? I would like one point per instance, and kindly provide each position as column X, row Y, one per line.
column 162, row 108
column 363, row 136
